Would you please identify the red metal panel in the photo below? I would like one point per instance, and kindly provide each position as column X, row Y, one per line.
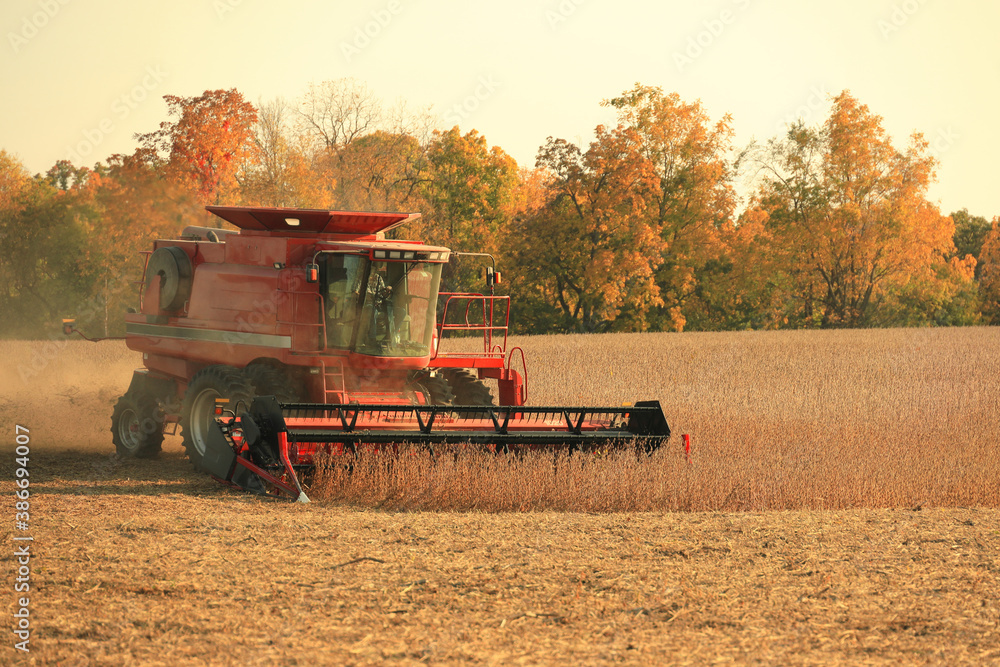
column 465, row 361
column 310, row 221
column 232, row 294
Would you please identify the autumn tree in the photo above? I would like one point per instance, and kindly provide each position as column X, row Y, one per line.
column 14, row 178
column 970, row 233
column 115, row 212
column 208, row 144
column 469, row 189
column 692, row 195
column 72, row 240
column 63, row 175
column 381, row 171
column 287, row 168
column 989, row 284
column 335, row 113
column 647, row 200
column 591, row 252
column 366, row 155
column 849, row 228
column 43, row 273
column 737, row 288
column 266, row 182
column 14, row 186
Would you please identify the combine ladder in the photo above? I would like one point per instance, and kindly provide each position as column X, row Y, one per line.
column 334, row 385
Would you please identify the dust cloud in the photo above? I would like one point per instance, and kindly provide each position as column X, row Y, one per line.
column 63, row 391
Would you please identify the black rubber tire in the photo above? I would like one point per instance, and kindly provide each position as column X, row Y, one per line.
column 137, row 426
column 270, row 380
column 435, row 389
column 468, row 388
column 198, row 411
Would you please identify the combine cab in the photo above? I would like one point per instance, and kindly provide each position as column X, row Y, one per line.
column 308, row 331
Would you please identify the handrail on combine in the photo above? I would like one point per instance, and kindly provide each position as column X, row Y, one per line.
column 487, row 326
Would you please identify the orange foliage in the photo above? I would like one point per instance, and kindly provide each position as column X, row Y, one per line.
column 850, row 220
column 989, row 283
column 630, row 222
column 692, row 195
column 593, row 244
column 209, row 143
column 636, row 231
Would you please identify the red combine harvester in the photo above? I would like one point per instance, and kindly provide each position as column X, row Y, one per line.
column 308, row 331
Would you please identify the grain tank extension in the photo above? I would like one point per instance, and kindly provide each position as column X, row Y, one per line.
column 308, row 331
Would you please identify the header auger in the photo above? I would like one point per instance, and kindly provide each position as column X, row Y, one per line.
column 309, row 332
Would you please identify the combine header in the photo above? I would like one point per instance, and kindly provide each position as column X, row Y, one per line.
column 309, row 332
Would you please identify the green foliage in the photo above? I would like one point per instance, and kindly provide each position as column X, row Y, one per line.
column 43, row 270
column 970, row 232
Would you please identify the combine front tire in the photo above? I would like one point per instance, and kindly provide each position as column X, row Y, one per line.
column 435, row 389
column 468, row 388
column 137, row 426
column 271, row 381
column 198, row 413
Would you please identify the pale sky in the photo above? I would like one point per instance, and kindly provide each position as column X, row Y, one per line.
column 80, row 77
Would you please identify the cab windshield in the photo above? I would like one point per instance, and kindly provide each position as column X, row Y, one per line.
column 380, row 308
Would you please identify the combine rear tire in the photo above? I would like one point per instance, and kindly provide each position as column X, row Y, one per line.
column 137, row 426
column 198, row 411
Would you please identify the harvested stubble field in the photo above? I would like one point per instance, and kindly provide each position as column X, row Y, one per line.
column 841, row 506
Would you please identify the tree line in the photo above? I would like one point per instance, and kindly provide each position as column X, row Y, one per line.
column 642, row 229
